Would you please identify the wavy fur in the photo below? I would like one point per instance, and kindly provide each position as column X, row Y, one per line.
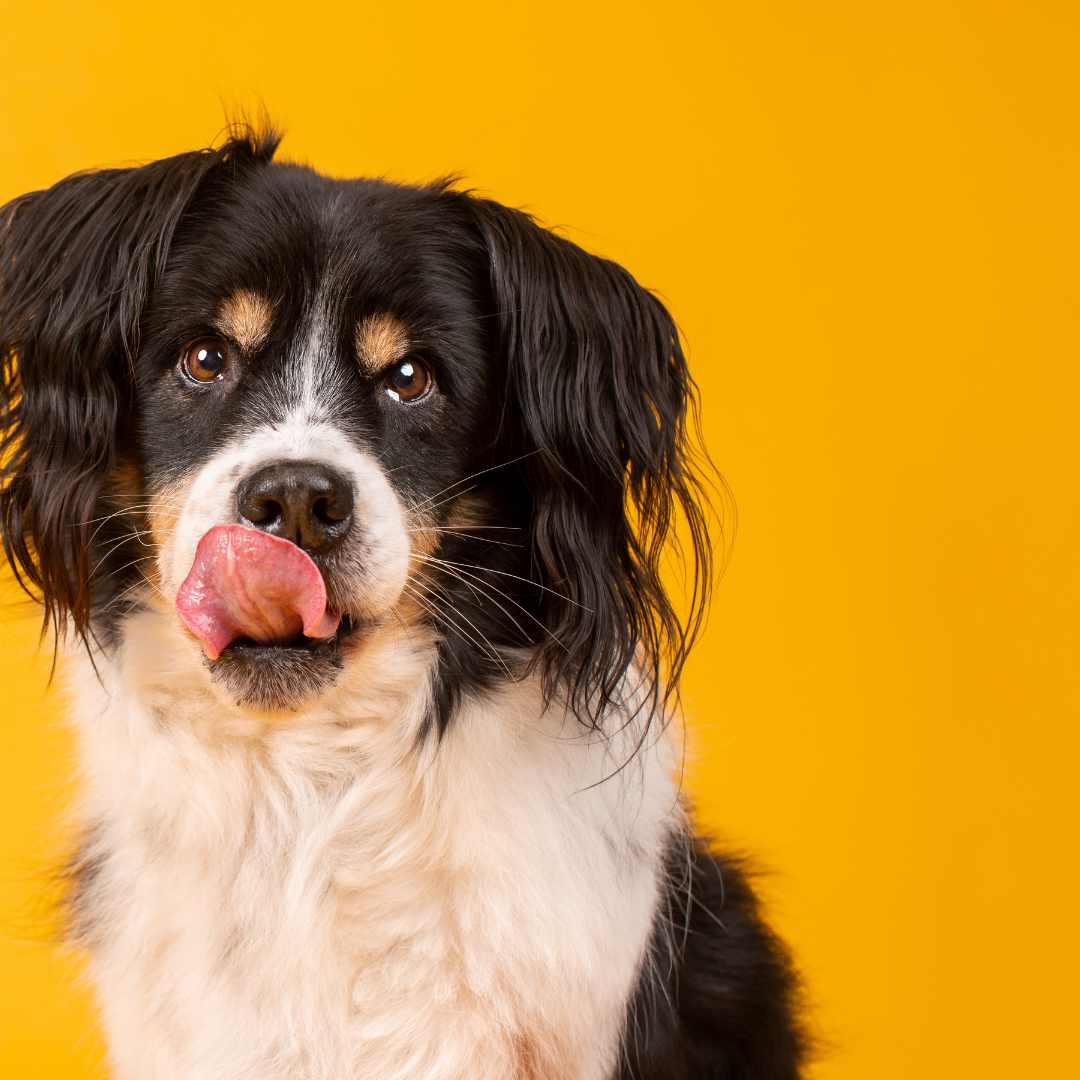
column 449, row 842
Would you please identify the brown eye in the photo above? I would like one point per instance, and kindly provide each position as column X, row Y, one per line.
column 207, row 360
column 407, row 381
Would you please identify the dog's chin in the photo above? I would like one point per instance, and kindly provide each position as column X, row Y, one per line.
column 285, row 677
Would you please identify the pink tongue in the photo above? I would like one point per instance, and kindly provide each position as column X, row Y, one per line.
column 245, row 583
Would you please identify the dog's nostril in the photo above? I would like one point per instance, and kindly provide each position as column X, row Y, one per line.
column 261, row 511
column 331, row 511
column 303, row 501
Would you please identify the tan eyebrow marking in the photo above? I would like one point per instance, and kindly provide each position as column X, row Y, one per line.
column 380, row 340
column 245, row 317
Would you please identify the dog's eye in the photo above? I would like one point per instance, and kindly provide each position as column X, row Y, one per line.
column 408, row 380
column 207, row 360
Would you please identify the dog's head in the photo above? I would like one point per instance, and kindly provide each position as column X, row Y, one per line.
column 475, row 430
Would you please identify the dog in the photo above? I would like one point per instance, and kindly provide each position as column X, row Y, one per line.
column 348, row 503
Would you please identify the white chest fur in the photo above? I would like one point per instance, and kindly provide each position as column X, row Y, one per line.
column 327, row 897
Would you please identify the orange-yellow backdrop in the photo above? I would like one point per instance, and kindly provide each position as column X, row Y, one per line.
column 864, row 216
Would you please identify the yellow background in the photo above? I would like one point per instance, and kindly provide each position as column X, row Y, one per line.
column 864, row 217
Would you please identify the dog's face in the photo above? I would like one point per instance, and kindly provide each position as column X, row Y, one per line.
column 448, row 409
column 330, row 379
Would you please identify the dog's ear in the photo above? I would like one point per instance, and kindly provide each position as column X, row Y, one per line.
column 77, row 262
column 598, row 405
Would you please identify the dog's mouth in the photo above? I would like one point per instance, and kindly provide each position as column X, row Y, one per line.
column 283, row 676
column 258, row 605
column 301, row 645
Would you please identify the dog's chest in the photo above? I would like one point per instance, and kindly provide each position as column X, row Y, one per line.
column 310, row 905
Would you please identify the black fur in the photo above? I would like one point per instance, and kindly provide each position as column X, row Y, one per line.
column 77, row 263
column 562, row 418
column 596, row 403
column 718, row 998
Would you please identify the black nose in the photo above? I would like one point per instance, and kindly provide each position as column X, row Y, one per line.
column 303, row 501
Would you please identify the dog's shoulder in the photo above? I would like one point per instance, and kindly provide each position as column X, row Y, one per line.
column 718, row 998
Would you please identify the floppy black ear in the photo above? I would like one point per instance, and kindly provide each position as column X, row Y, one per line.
column 597, row 408
column 77, row 262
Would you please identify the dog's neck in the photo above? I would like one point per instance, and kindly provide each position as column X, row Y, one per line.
column 472, row 906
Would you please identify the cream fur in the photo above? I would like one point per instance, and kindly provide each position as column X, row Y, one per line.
column 323, row 898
